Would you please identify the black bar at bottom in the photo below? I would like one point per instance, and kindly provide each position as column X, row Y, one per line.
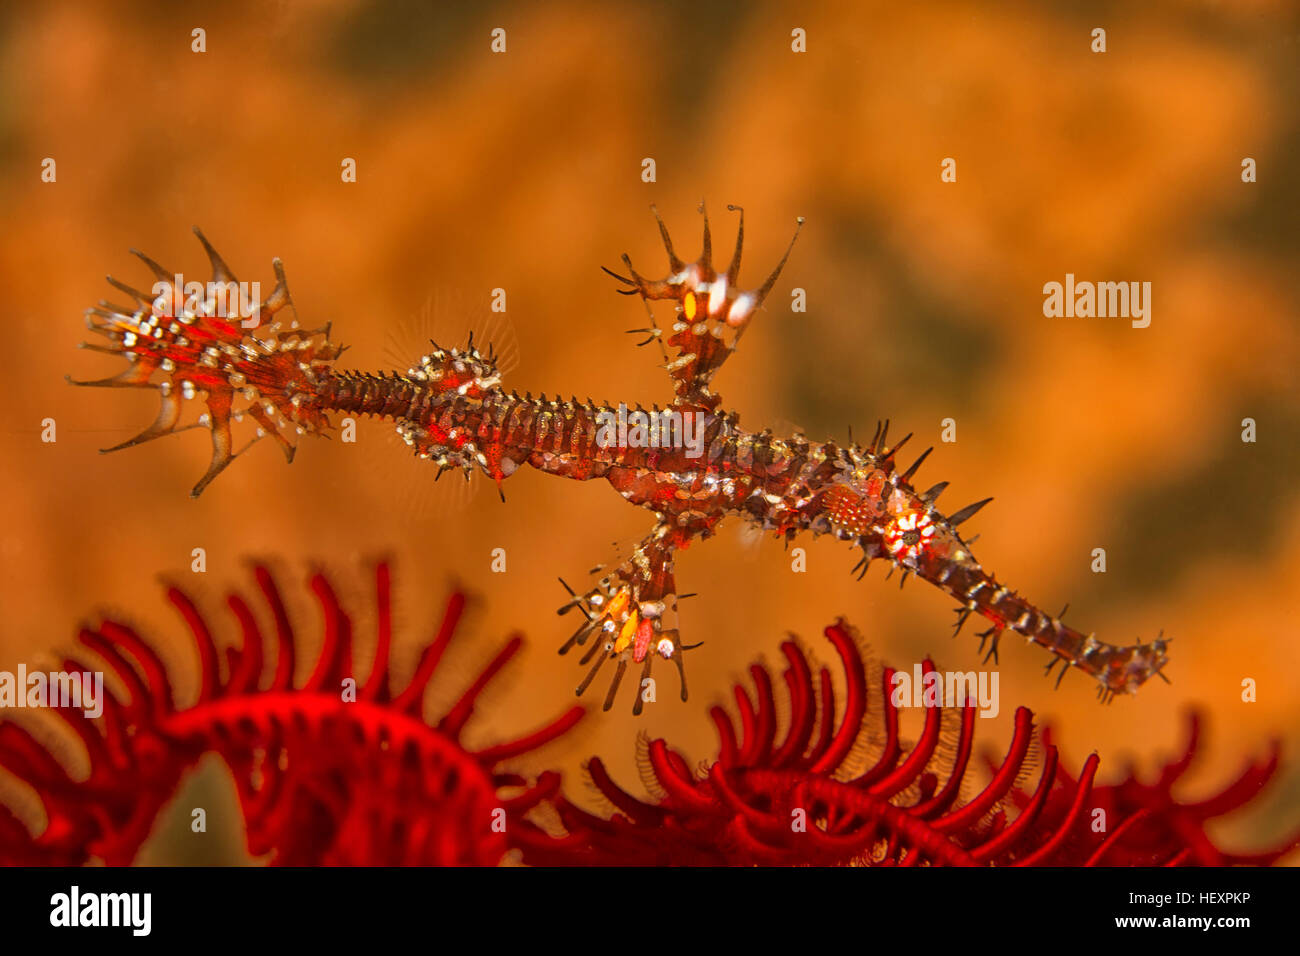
column 505, row 906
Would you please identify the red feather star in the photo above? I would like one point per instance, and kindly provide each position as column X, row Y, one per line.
column 324, row 778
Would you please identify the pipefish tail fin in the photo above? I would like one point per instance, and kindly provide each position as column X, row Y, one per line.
column 220, row 343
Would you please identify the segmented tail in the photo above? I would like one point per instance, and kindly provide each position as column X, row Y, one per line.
column 875, row 503
column 216, row 343
column 1117, row 669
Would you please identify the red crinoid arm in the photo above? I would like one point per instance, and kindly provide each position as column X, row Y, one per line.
column 917, row 761
column 892, row 750
column 798, row 684
column 855, row 699
column 942, row 800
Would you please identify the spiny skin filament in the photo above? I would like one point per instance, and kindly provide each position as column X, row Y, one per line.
column 452, row 409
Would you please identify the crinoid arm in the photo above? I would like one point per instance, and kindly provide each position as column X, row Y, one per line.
column 190, row 340
column 712, row 311
column 624, row 619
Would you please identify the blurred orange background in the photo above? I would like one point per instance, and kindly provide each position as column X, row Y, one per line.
column 522, row 171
